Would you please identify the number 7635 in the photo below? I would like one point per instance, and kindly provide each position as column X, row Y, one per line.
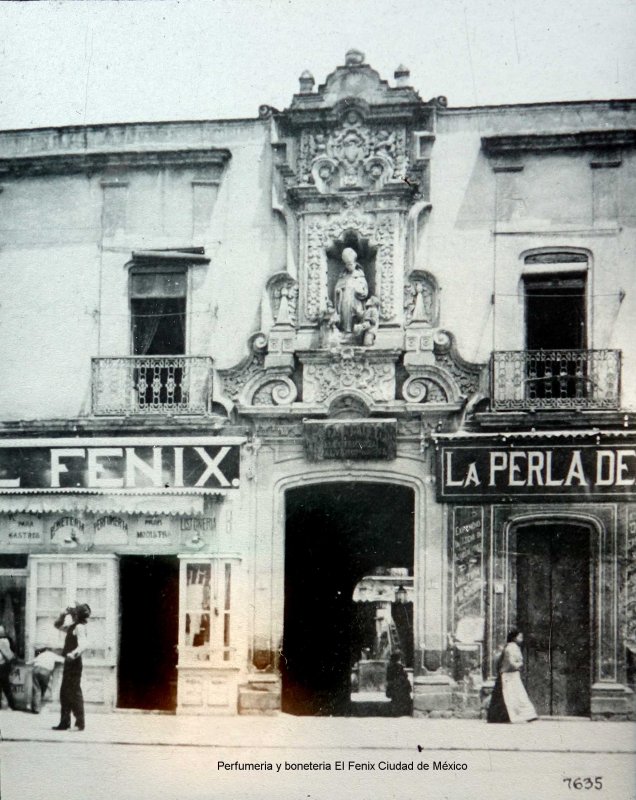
column 584, row 783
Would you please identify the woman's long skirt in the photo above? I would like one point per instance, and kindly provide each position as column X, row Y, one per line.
column 518, row 704
column 509, row 701
column 497, row 711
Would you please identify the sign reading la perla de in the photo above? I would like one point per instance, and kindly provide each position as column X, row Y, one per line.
column 158, row 464
column 483, row 472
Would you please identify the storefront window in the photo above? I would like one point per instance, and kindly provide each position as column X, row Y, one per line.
column 91, row 587
column 197, row 618
column 59, row 583
column 206, row 607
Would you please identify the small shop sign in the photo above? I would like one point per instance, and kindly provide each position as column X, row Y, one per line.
column 23, row 529
column 359, row 440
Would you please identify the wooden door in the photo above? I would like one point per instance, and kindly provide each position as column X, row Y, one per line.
column 553, row 611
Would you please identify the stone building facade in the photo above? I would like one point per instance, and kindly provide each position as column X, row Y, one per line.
column 284, row 394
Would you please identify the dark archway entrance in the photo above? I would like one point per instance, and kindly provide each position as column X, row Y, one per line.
column 554, row 610
column 336, row 534
column 149, row 603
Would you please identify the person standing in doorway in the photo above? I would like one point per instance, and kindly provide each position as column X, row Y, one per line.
column 398, row 686
column 43, row 666
column 73, row 622
column 7, row 657
column 509, row 701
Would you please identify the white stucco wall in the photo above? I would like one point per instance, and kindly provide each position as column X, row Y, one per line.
column 64, row 274
column 64, row 277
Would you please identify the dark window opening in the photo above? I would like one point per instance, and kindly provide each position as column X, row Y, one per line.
column 555, row 312
column 158, row 312
column 158, row 309
column 556, row 335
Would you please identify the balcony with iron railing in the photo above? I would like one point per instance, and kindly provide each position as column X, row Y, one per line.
column 129, row 385
column 534, row 380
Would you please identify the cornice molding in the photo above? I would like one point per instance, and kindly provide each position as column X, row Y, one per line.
column 509, row 144
column 96, row 161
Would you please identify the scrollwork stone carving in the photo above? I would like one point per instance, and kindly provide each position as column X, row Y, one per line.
column 353, row 155
column 269, row 389
column 348, row 369
column 470, row 378
column 430, row 384
column 234, row 379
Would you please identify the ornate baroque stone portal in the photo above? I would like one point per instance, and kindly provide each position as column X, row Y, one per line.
column 359, row 320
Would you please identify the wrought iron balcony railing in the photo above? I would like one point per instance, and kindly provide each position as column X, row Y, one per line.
column 152, row 385
column 555, row 379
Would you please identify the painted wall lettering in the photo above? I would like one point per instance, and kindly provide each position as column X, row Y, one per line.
column 146, row 464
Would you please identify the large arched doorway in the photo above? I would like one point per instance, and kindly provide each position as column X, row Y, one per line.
column 338, row 534
column 554, row 569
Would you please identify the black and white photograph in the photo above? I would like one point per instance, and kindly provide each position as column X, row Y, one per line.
column 317, row 400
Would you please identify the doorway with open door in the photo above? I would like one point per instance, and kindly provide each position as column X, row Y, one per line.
column 341, row 540
column 554, row 586
column 149, row 603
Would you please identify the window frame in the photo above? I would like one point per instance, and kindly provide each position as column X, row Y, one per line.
column 154, row 268
column 69, row 593
column 221, row 649
column 558, row 262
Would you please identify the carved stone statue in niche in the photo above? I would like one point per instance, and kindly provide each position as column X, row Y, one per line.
column 329, row 333
column 421, row 299
column 350, row 292
column 367, row 329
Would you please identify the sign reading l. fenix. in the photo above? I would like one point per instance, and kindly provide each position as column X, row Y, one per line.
column 160, row 464
column 479, row 472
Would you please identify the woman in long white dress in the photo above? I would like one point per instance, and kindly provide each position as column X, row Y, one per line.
column 509, row 701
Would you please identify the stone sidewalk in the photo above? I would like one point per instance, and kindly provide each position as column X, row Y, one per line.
column 326, row 733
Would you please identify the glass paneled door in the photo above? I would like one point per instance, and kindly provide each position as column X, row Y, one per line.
column 59, row 581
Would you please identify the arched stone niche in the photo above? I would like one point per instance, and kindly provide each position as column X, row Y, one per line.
column 421, row 298
column 282, row 290
column 324, row 238
column 366, row 259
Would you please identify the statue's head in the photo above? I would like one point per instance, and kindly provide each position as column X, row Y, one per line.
column 349, row 258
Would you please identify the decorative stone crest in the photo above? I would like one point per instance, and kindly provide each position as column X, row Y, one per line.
column 349, row 370
column 353, row 155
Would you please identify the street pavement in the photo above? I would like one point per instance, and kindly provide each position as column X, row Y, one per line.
column 145, row 756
